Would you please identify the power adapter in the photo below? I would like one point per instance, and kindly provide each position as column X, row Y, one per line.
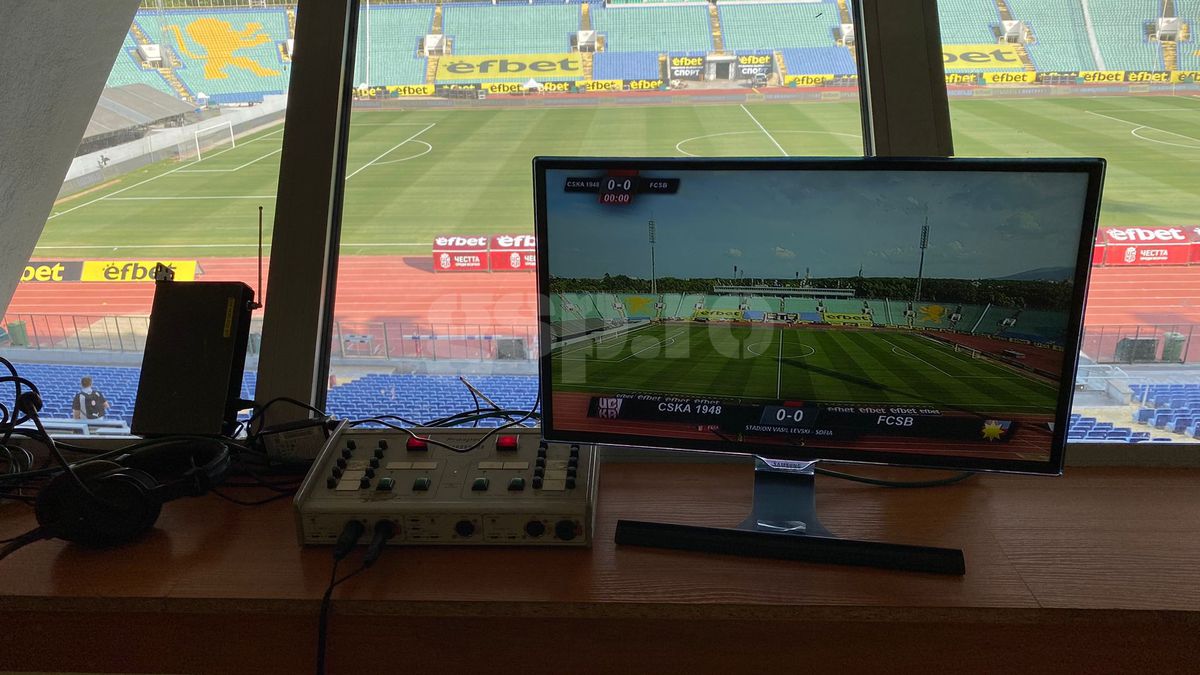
column 295, row 442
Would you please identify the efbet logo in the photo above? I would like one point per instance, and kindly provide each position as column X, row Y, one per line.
column 515, row 241
column 686, row 61
column 754, row 60
column 544, row 65
column 134, row 270
column 608, row 408
column 460, row 242
column 1146, row 234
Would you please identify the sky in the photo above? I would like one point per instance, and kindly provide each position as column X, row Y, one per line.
column 774, row 224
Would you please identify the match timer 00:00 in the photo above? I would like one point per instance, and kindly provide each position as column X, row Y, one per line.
column 620, row 187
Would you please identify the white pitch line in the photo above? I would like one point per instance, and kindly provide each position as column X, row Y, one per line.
column 896, row 350
column 764, row 130
column 117, row 192
column 779, row 368
column 236, row 168
column 185, row 197
column 1139, row 125
column 389, row 150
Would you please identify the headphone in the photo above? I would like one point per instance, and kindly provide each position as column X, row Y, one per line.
column 127, row 493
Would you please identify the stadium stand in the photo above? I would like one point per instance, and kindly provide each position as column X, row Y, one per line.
column 509, row 29
column 671, row 303
column 230, row 55
column 396, row 32
column 127, row 70
column 843, row 306
column 722, row 302
column 819, row 60
column 967, row 21
column 799, row 305
column 626, row 66
column 1060, row 40
column 420, row 397
column 658, row 29
column 687, row 304
column 781, row 25
column 1189, row 50
column 604, row 303
column 584, row 307
column 1121, row 34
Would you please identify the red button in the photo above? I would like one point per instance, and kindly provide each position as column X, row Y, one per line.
column 508, row 443
column 414, row 443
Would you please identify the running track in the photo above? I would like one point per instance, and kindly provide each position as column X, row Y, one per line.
column 405, row 289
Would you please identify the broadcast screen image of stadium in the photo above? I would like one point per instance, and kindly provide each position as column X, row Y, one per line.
column 452, row 99
column 813, row 350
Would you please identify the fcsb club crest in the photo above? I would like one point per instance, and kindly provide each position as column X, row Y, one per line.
column 608, row 408
column 514, row 261
column 444, row 261
column 1130, row 254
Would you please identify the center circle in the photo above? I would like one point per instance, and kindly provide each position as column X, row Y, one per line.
column 679, row 145
column 786, row 355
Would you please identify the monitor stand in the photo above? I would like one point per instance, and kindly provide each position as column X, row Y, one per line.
column 783, row 524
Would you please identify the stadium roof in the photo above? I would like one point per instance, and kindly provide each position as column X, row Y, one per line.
column 132, row 105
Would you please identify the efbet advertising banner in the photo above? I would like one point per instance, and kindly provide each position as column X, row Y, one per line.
column 51, row 271
column 509, row 66
column 460, row 253
column 860, row 320
column 1185, row 76
column 808, row 80
column 717, row 315
column 1102, row 76
column 1148, row 76
column 981, row 57
column 412, row 90
column 134, row 270
column 686, row 67
column 513, row 252
column 962, row 78
column 1158, row 245
column 1022, row 77
column 749, row 65
column 644, row 85
column 602, row 85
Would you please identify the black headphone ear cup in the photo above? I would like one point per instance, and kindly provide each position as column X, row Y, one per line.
column 121, row 511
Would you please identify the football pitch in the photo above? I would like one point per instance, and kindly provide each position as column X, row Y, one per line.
column 723, row 360
column 414, row 174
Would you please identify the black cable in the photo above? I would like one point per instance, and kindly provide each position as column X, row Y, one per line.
column 326, row 604
column 957, row 478
column 17, row 543
column 482, row 438
column 280, row 399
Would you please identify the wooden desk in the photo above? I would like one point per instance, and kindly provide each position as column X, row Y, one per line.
column 1096, row 572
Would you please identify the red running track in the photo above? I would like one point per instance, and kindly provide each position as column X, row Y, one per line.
column 369, row 287
column 406, row 289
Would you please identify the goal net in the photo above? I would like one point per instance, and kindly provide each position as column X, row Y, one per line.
column 973, row 353
column 212, row 139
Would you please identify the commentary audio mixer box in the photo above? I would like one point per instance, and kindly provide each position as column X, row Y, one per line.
column 506, row 487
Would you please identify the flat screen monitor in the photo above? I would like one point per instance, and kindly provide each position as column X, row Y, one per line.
column 910, row 312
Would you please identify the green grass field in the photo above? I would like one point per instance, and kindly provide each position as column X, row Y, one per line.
column 843, row 366
column 414, row 174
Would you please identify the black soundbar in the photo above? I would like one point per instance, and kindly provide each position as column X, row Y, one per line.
column 807, row 548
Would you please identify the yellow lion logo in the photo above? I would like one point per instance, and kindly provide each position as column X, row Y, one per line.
column 932, row 313
column 220, row 41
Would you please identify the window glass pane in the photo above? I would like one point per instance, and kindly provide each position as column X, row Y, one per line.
column 455, row 100
column 1114, row 79
column 181, row 152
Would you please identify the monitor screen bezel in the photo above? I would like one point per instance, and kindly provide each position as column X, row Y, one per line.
column 1094, row 168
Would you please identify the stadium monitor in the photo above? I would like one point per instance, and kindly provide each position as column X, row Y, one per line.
column 915, row 312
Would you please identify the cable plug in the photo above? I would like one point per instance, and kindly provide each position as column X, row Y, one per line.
column 348, row 539
column 384, row 530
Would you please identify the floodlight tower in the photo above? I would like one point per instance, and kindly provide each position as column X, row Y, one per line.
column 921, row 265
column 653, row 279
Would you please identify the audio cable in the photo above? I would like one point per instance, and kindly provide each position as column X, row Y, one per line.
column 352, row 532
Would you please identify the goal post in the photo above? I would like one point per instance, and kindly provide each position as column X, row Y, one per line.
column 218, row 136
column 973, row 353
